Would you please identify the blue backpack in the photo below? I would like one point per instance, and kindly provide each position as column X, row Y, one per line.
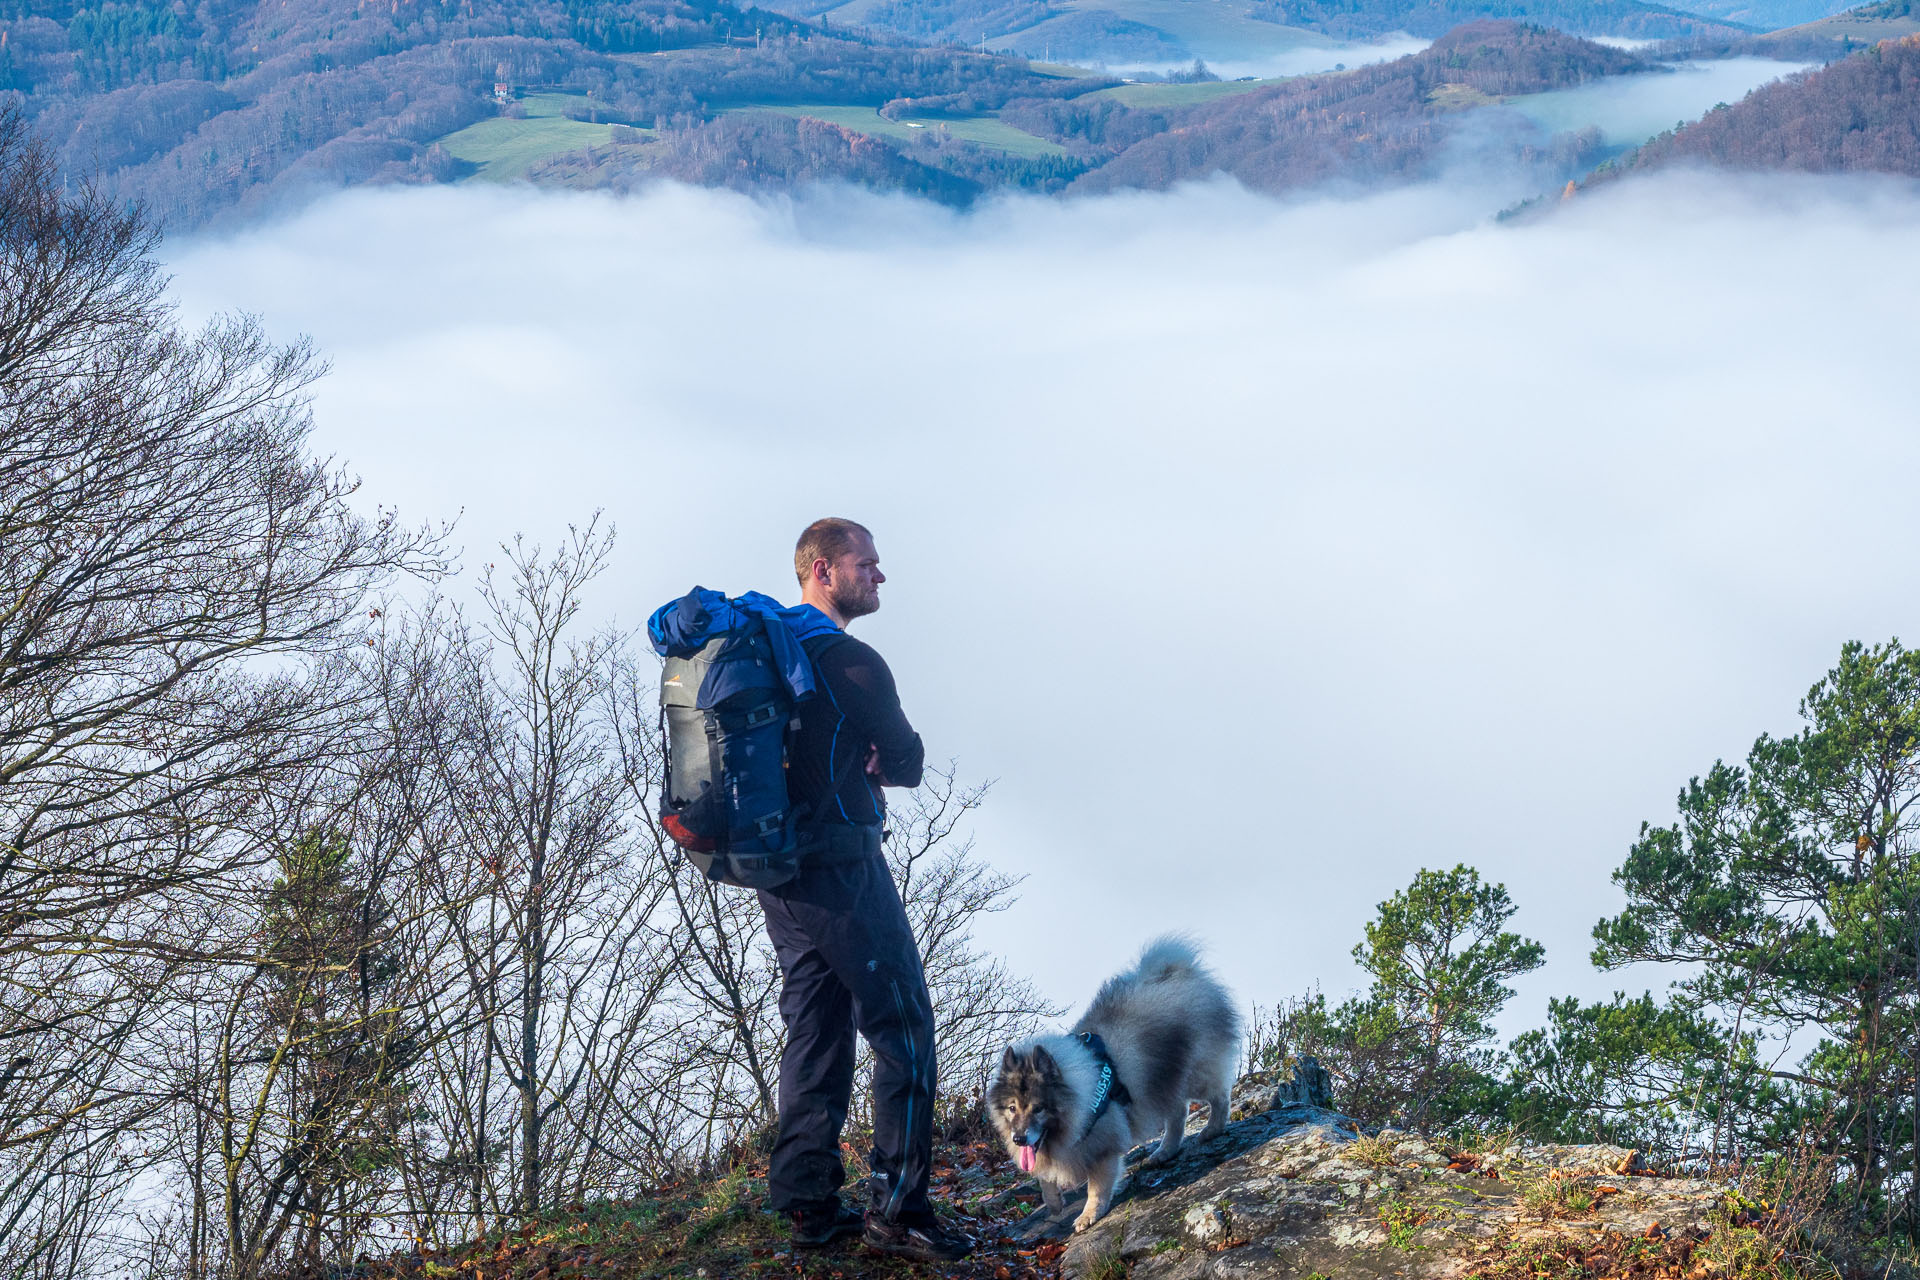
column 734, row 676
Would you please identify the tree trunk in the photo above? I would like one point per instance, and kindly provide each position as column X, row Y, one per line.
column 530, row 1007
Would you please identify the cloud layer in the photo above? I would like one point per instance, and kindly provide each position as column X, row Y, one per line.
column 1630, row 109
column 1263, row 553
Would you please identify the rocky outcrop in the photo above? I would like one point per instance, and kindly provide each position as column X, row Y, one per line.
column 1308, row 1084
column 1295, row 1191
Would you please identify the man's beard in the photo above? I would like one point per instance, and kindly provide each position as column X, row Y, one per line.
column 851, row 601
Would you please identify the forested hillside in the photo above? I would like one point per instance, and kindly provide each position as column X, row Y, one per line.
column 236, row 107
column 1861, row 114
column 1129, row 30
column 1391, row 121
column 238, row 104
column 240, row 107
column 1823, row 39
column 1360, row 18
column 1768, row 15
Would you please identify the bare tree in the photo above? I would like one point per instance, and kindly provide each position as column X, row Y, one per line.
column 179, row 585
column 554, row 911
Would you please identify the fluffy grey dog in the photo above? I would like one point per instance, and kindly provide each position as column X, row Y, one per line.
column 1170, row 1034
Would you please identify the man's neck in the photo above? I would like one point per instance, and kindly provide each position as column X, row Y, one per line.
column 819, row 601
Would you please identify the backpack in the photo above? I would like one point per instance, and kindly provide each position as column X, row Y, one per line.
column 734, row 676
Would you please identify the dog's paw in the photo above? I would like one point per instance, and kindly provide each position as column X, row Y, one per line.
column 1085, row 1220
column 1161, row 1158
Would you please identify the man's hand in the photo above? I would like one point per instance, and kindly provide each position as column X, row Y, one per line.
column 873, row 766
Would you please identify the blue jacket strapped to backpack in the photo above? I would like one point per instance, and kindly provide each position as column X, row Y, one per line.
column 679, row 629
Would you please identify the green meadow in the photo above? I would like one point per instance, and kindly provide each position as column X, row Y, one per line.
column 506, row 148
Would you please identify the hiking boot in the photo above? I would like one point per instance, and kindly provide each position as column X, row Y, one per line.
column 817, row 1228
column 928, row 1241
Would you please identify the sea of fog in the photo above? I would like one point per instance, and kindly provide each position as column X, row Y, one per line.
column 1260, row 553
column 1237, row 60
column 1630, row 109
column 1627, row 109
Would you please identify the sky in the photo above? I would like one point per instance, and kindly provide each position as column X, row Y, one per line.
column 1260, row 553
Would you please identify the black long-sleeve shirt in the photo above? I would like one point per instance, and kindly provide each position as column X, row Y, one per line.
column 855, row 708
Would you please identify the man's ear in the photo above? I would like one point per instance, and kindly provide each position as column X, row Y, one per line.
column 822, row 570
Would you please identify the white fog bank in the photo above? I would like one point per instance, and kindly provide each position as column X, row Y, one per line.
column 1263, row 553
column 1230, row 62
column 1630, row 109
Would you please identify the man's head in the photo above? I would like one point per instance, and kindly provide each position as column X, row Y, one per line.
column 839, row 570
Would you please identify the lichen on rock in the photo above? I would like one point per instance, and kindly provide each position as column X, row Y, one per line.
column 1285, row 1193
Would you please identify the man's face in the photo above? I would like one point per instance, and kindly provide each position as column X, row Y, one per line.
column 853, row 580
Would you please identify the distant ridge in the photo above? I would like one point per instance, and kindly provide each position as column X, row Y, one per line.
column 1124, row 28
column 1843, row 33
column 1767, row 15
column 1823, row 39
column 1356, row 19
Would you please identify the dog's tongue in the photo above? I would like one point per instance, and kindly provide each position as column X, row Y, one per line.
column 1026, row 1159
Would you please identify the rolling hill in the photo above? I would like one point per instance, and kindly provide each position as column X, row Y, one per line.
column 1767, row 15
column 1820, row 40
column 240, row 106
column 1841, row 33
column 1860, row 114
column 1142, row 32
column 1388, row 122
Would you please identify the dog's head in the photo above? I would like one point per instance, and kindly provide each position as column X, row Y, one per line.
column 1026, row 1101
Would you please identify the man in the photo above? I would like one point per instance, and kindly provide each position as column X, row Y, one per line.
column 847, row 953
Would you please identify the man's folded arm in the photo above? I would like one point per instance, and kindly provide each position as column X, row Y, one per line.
column 872, row 705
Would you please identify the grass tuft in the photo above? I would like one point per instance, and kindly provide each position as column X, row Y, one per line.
column 1376, row 1153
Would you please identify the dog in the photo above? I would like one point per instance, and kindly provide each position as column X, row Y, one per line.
column 1069, row 1107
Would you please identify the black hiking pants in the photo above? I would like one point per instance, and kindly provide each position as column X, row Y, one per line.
column 849, row 961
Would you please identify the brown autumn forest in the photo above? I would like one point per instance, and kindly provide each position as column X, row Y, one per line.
column 221, row 111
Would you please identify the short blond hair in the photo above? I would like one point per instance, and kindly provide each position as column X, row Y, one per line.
column 826, row 539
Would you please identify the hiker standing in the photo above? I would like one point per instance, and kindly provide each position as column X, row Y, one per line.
column 847, row 953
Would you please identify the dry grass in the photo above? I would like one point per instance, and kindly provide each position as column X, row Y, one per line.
column 1559, row 1195
column 1376, row 1153
column 720, row 1227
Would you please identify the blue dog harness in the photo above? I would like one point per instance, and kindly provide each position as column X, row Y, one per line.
column 1108, row 1088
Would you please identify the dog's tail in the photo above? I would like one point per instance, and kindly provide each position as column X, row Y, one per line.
column 1175, row 955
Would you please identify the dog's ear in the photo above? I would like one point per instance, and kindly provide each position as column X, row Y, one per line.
column 1008, row 1061
column 1044, row 1063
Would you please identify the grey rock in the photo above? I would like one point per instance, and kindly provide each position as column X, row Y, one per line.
column 1308, row 1084
column 1276, row 1197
